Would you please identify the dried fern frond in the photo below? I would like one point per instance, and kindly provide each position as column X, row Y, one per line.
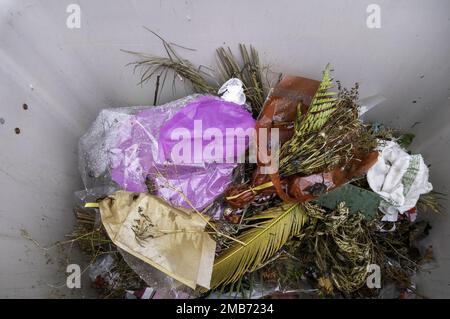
column 304, row 146
column 335, row 144
column 329, row 134
column 249, row 72
column 321, row 108
column 272, row 229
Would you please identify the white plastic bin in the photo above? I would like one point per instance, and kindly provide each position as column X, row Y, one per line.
column 66, row 75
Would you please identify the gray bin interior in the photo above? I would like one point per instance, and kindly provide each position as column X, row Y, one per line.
column 66, row 76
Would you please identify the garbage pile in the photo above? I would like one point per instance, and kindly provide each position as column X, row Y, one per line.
column 250, row 190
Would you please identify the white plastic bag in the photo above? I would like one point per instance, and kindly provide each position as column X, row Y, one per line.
column 399, row 178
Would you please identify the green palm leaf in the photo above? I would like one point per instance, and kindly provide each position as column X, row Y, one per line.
column 272, row 229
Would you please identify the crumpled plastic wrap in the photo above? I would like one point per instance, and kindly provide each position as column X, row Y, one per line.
column 207, row 121
column 98, row 146
column 206, row 174
column 90, row 195
column 200, row 185
column 233, row 91
column 124, row 146
column 101, row 271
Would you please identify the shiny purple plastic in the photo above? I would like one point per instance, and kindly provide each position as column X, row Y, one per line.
column 202, row 176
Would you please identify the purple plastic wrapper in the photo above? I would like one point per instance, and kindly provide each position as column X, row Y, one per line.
column 209, row 129
column 136, row 146
column 200, row 185
column 198, row 179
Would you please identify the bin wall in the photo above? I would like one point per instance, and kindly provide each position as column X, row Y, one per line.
column 66, row 76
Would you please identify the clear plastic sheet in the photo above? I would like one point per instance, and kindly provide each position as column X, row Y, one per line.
column 89, row 195
column 152, row 276
column 96, row 149
column 102, row 270
column 164, row 286
column 132, row 147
